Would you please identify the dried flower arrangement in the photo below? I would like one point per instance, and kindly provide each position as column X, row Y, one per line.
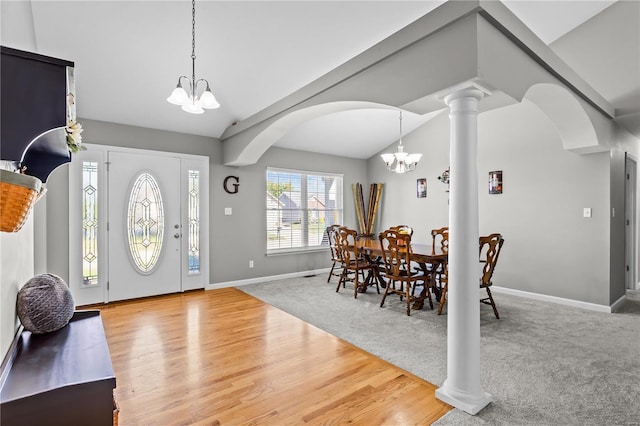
column 74, row 137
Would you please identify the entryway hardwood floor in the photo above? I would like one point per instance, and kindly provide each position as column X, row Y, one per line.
column 224, row 357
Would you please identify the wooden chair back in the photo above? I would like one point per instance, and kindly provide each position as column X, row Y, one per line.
column 332, row 238
column 347, row 244
column 490, row 247
column 440, row 237
column 396, row 256
column 353, row 260
column 396, row 252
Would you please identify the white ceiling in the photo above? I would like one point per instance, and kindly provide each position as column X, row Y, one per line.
column 129, row 54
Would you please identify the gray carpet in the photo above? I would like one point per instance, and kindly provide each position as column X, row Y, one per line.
column 544, row 364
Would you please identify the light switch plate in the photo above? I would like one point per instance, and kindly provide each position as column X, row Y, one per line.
column 587, row 212
column 228, row 211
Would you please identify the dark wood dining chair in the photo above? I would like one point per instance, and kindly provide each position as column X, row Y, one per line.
column 396, row 253
column 353, row 261
column 439, row 238
column 490, row 247
column 332, row 235
column 403, row 229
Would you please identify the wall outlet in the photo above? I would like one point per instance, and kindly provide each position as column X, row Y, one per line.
column 228, row 211
column 251, row 264
column 587, row 212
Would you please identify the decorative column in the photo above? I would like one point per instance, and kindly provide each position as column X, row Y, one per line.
column 462, row 387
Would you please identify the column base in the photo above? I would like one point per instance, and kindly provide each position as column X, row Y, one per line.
column 468, row 403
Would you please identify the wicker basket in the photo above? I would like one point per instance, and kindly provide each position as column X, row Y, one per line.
column 18, row 194
column 116, row 409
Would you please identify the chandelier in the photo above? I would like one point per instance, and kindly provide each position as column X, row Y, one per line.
column 191, row 102
column 401, row 162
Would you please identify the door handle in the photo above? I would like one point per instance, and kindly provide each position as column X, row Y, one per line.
column 176, row 235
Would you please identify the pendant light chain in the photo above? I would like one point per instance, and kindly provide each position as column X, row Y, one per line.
column 401, row 162
column 193, row 29
column 189, row 100
column 193, row 49
column 400, row 128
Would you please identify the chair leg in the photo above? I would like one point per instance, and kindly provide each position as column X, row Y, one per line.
column 428, row 295
column 341, row 280
column 437, row 287
column 355, row 285
column 331, row 271
column 408, row 296
column 384, row 296
column 493, row 304
column 442, row 299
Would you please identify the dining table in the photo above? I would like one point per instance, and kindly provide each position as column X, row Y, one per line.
column 428, row 257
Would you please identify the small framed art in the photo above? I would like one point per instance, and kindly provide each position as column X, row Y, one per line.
column 495, row 182
column 421, row 188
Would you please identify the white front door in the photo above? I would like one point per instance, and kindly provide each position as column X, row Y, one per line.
column 144, row 226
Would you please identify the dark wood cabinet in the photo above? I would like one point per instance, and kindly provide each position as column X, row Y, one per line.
column 60, row 378
column 37, row 99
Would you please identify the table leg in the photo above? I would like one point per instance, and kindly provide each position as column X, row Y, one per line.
column 430, row 283
column 376, row 272
column 362, row 288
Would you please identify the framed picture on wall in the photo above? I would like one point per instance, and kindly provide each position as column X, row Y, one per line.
column 421, row 188
column 495, row 182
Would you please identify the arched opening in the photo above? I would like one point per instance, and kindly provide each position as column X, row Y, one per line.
column 582, row 129
column 272, row 133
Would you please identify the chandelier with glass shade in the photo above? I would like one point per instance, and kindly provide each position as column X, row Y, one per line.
column 190, row 101
column 401, row 162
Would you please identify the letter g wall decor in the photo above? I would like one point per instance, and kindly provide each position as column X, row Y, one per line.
column 235, row 186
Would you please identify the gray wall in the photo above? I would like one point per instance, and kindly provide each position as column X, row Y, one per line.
column 17, row 260
column 623, row 143
column 399, row 204
column 549, row 247
column 17, row 249
column 242, row 236
column 233, row 240
column 604, row 51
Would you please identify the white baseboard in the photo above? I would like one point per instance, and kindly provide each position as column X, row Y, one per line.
column 496, row 289
column 266, row 279
column 618, row 304
column 560, row 300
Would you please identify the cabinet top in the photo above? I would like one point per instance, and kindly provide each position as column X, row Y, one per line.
column 76, row 354
column 35, row 56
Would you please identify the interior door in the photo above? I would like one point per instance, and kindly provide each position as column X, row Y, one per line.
column 144, row 234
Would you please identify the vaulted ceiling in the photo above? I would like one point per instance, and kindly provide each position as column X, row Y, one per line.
column 129, row 54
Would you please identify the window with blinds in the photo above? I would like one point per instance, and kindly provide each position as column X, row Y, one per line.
column 300, row 205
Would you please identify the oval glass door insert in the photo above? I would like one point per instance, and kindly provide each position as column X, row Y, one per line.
column 145, row 223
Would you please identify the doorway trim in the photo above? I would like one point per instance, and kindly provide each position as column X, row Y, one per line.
column 99, row 292
column 631, row 228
